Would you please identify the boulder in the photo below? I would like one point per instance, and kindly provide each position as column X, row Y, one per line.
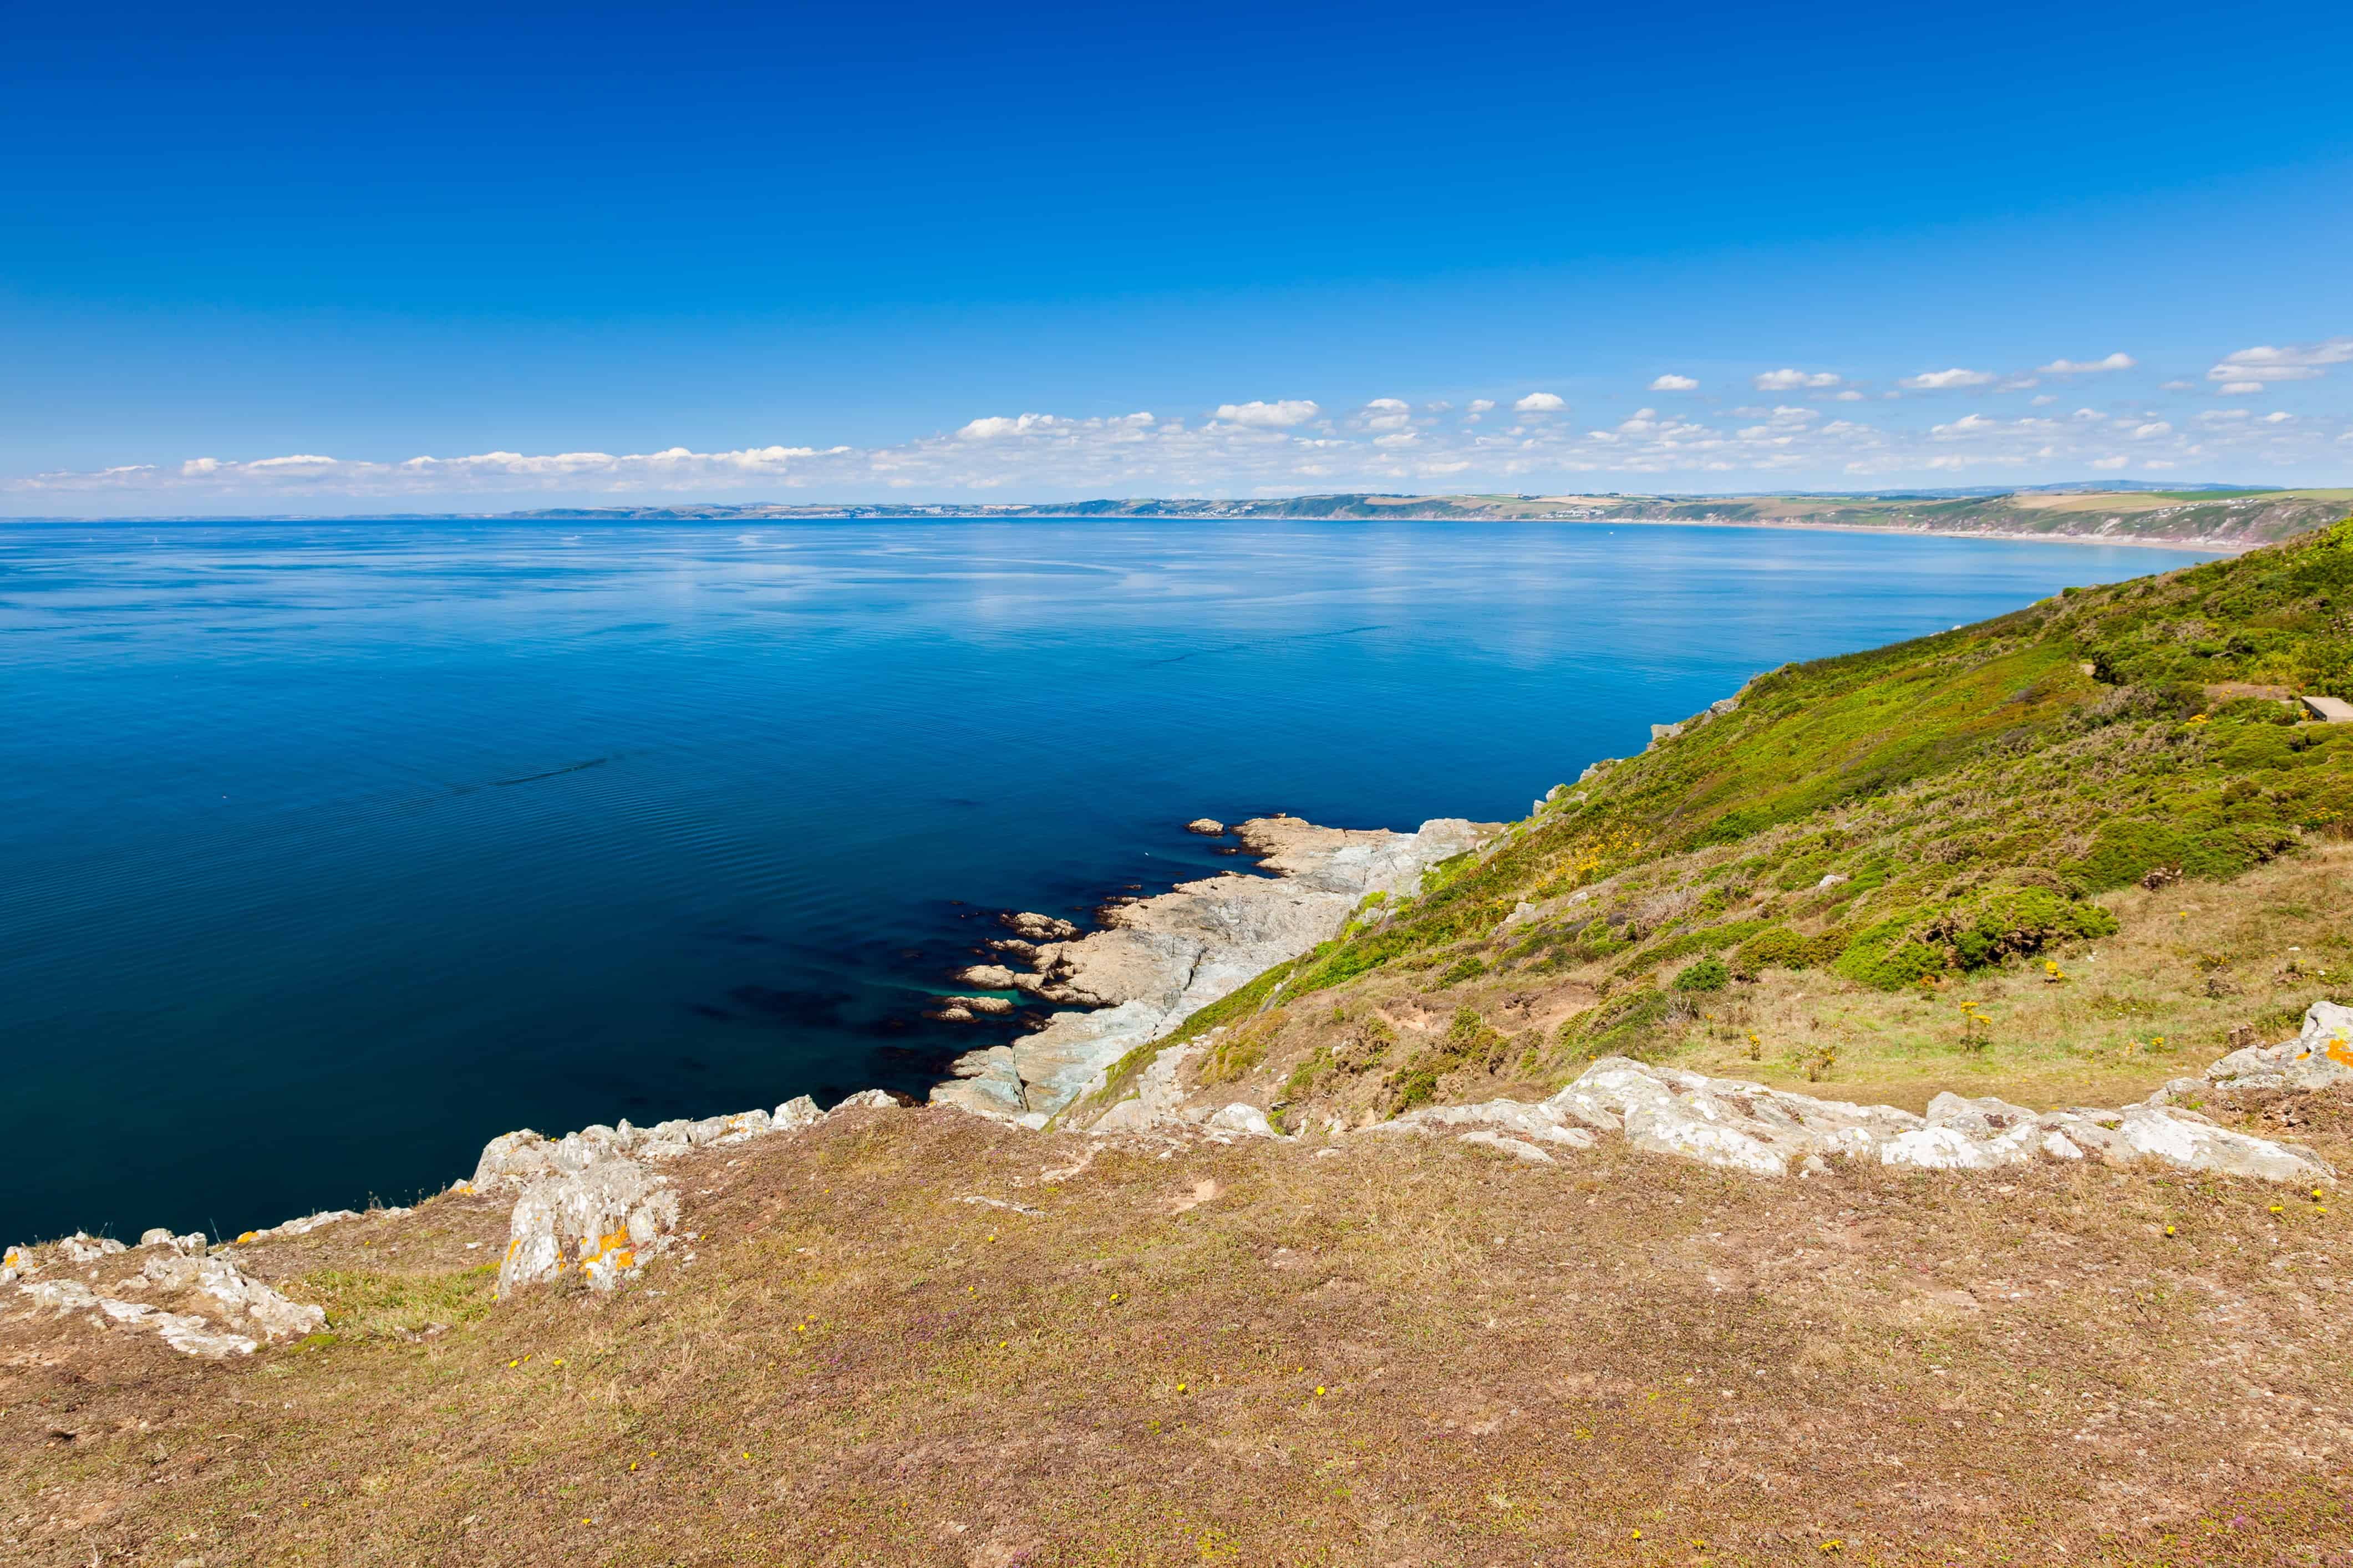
column 604, row 1219
column 1038, row 928
column 189, row 1245
column 2319, row 1057
column 796, row 1113
column 83, row 1248
column 1244, row 1119
column 1208, row 827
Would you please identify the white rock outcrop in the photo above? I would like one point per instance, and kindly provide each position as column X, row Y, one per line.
column 1744, row 1126
column 1542, row 1122
column 2321, row 1054
column 239, row 1313
column 592, row 1202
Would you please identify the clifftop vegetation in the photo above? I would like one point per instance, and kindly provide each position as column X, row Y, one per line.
column 1897, row 822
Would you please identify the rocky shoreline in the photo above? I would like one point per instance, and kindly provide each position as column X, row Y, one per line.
column 1160, row 960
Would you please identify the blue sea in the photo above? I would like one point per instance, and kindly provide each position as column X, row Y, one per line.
column 330, row 850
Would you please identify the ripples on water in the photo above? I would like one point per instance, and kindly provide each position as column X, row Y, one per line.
column 330, row 850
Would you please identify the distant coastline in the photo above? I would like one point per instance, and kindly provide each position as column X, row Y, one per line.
column 2208, row 518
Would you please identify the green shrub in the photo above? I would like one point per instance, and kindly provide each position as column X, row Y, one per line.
column 1707, row 975
column 1890, row 963
column 1998, row 924
column 1462, row 970
column 1776, row 947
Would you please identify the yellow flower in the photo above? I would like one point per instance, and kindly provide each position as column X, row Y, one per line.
column 2169, row 1230
column 1180, row 1388
column 1319, row 1390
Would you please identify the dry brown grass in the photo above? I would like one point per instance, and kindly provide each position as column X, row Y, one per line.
column 1515, row 1365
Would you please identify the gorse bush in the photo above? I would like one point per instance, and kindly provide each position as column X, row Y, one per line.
column 1707, row 975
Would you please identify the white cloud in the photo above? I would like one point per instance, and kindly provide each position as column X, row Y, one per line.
column 1482, row 405
column 2176, row 385
column 2241, row 388
column 998, row 425
column 1941, row 380
column 1849, row 396
column 2041, row 400
column 1672, row 383
column 1040, row 456
column 2089, row 367
column 1794, row 380
column 2296, row 362
column 1277, row 416
column 2277, row 416
column 1540, row 403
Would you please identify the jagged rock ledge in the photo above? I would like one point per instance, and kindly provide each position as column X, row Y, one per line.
column 1161, row 959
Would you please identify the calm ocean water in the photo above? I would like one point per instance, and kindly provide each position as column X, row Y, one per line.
column 328, row 851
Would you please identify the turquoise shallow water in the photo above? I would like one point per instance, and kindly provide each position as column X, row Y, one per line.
column 329, row 850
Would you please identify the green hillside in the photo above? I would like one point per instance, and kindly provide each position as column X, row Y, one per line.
column 1909, row 816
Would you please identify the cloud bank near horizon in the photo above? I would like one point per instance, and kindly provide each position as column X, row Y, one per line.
column 1807, row 434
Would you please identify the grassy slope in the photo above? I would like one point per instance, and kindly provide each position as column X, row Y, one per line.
column 1983, row 801
column 1408, row 1353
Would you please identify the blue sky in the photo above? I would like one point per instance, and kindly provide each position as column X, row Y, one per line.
column 273, row 259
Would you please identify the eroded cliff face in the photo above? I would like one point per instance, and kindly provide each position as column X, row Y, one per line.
column 1161, row 959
